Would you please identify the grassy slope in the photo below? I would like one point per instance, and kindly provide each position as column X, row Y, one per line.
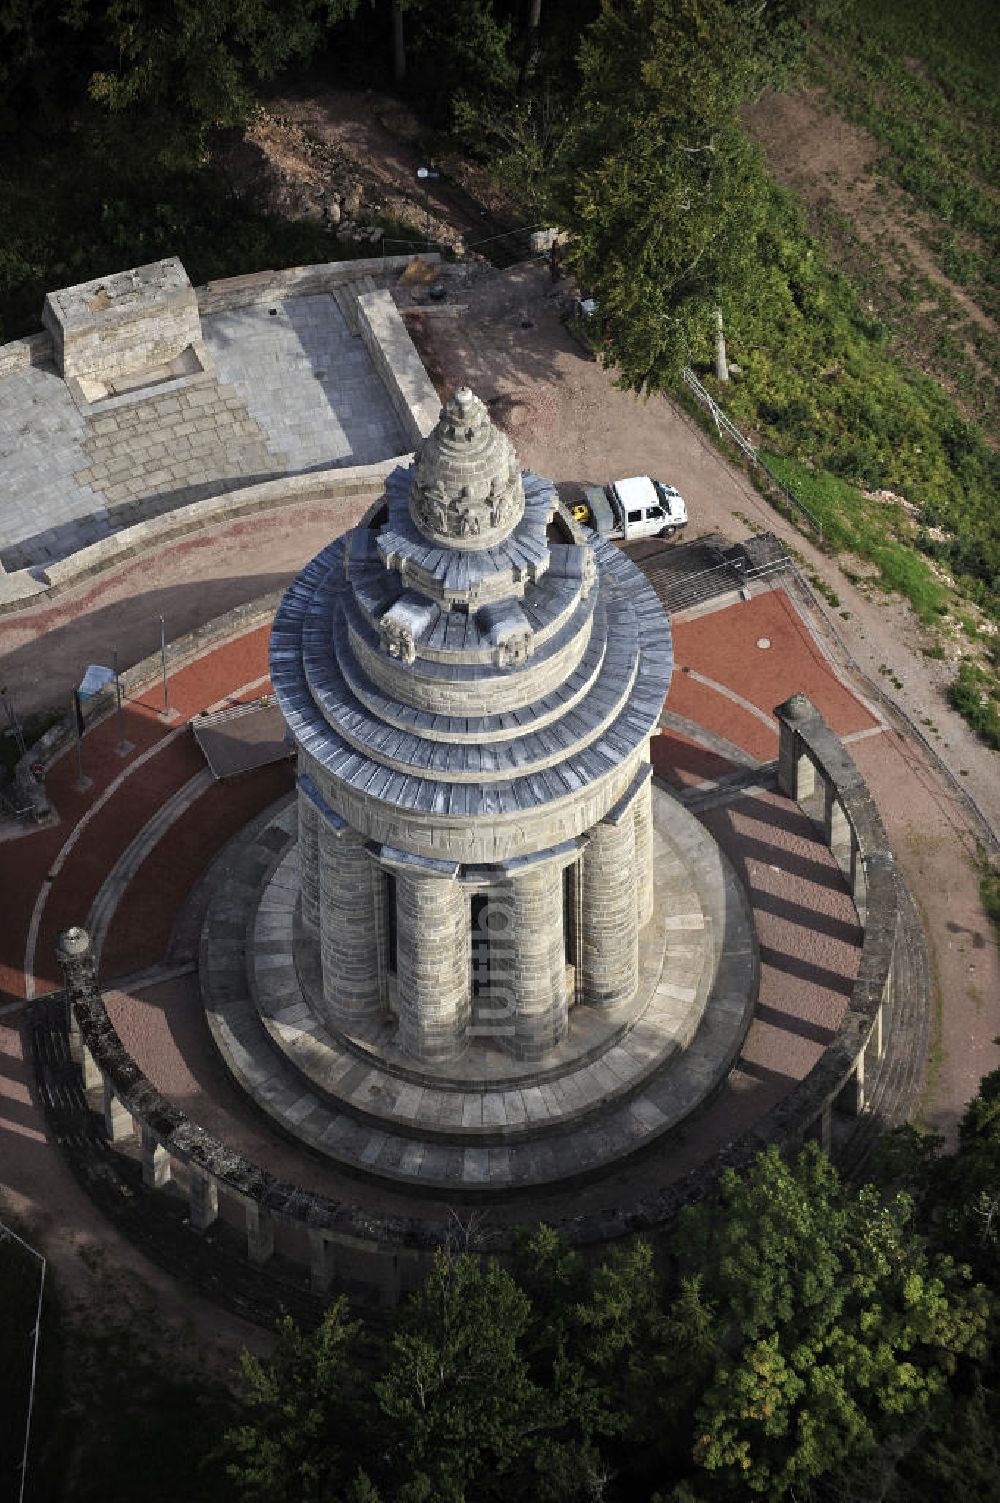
column 826, row 386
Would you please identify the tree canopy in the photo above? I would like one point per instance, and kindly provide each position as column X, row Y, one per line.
column 665, row 195
column 797, row 1328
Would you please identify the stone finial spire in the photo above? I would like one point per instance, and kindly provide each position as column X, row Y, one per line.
column 466, row 491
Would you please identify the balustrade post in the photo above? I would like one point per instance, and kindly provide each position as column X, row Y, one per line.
column 156, row 1166
column 203, row 1200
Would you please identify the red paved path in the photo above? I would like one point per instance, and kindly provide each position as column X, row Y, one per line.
column 723, row 647
column 143, row 786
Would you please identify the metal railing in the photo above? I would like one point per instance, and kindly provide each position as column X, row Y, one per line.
column 516, row 238
column 726, row 426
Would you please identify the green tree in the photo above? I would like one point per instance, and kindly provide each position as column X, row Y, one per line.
column 592, row 1342
column 664, row 193
column 836, row 1329
column 460, row 1403
column 298, row 1441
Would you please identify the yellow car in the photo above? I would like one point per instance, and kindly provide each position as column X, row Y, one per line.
column 580, row 512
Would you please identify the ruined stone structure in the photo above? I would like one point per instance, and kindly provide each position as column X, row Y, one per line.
column 471, row 681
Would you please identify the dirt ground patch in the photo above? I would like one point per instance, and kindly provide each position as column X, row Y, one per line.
column 874, row 232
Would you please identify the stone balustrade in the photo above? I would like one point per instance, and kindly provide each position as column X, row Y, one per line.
column 814, row 768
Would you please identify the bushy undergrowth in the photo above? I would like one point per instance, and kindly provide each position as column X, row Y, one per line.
column 922, row 78
column 824, row 392
column 976, row 696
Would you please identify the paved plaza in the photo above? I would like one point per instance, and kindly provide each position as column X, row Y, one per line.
column 290, row 389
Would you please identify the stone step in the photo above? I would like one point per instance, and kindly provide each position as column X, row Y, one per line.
column 394, row 1150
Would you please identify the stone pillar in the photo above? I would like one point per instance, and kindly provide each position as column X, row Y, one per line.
column 76, row 960
column 260, row 1233
column 321, row 1261
column 532, row 976
column 851, row 1098
column 876, row 1043
column 118, row 1122
column 156, row 1168
column 203, row 1200
column 89, row 1069
column 796, row 773
column 309, row 862
column 836, row 827
column 642, row 806
column 432, row 965
column 610, row 913
column 859, row 883
column 348, row 940
column 389, row 1280
column 75, row 1037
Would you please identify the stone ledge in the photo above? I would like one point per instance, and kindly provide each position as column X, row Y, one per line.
column 21, row 589
column 298, row 281
column 27, row 353
column 395, row 358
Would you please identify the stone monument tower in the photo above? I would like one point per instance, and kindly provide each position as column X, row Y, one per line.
column 471, row 680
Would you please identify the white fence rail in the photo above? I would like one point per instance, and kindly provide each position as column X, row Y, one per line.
column 724, row 425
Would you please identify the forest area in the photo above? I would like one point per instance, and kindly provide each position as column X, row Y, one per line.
column 799, row 1338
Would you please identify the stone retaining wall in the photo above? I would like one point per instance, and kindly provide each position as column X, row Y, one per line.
column 297, row 281
column 394, row 356
column 396, row 361
column 391, row 1253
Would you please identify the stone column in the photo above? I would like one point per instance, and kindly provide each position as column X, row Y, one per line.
column 203, row 1199
column 432, row 965
column 836, row 827
column 796, row 772
column 156, row 1166
column 532, row 975
column 642, row 806
column 309, row 862
column 858, row 881
column 260, row 1233
column 610, row 913
column 322, row 1261
column 348, row 939
column 118, row 1124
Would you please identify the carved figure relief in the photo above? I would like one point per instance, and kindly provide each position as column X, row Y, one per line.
column 466, row 482
column 513, row 650
column 397, row 641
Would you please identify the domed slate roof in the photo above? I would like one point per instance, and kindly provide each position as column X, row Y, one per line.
column 472, row 651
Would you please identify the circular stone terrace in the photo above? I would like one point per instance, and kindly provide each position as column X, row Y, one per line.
column 155, row 850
